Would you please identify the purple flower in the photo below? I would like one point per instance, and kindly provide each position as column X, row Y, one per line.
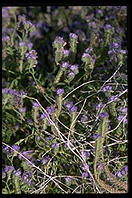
column 30, row 45
column 69, row 104
column 73, row 109
column 84, row 175
column 119, row 174
column 74, row 67
column 26, row 154
column 124, row 170
column 50, row 110
column 74, row 36
column 5, row 91
column 22, row 110
column 123, row 51
column 43, row 116
column 84, row 118
column 30, row 121
column 68, row 179
column 123, row 110
column 9, row 168
column 107, row 88
column 71, row 74
column 96, row 135
column 66, row 52
column 88, row 50
column 85, row 154
column 100, row 166
column 99, row 106
column 35, row 104
column 17, row 172
column 6, row 38
column 23, row 92
column 120, row 117
column 108, row 26
column 65, row 64
column 16, row 147
column 112, row 98
column 58, row 40
column 103, row 114
column 85, row 55
column 60, row 91
column 45, row 159
column 115, row 45
column 21, row 44
column 55, row 145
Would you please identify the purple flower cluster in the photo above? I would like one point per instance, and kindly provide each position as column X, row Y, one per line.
column 103, row 115
column 32, row 55
column 84, row 118
column 58, row 42
column 99, row 106
column 35, row 104
column 50, row 110
column 107, row 88
column 60, row 91
column 122, row 172
column 70, row 106
column 73, row 36
column 45, row 159
column 85, row 154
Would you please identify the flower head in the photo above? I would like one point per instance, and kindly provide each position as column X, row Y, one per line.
column 74, row 67
column 74, row 36
column 84, row 175
column 60, row 91
column 68, row 179
column 69, row 104
column 35, row 104
column 73, row 109
column 65, row 65
column 50, row 110
column 103, row 115
column 16, row 147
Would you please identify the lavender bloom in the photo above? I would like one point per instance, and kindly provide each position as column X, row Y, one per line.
column 60, row 91
column 5, row 91
column 69, row 104
column 58, row 40
column 55, row 145
column 85, row 154
column 73, row 109
column 85, row 55
column 112, row 98
column 96, row 135
column 88, row 50
column 74, row 36
column 124, row 170
column 108, row 26
column 43, row 116
column 84, row 118
column 99, row 106
column 74, row 67
column 123, row 110
column 68, row 179
column 123, row 51
column 84, row 175
column 120, row 117
column 119, row 174
column 107, row 88
column 30, row 121
column 30, row 45
column 17, row 173
column 35, row 104
column 9, row 168
column 21, row 44
column 71, row 74
column 100, row 166
column 45, row 159
column 6, row 148
column 65, row 65
column 16, row 147
column 6, row 38
column 26, row 154
column 103, row 114
column 115, row 45
column 22, row 110
column 66, row 52
column 50, row 110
